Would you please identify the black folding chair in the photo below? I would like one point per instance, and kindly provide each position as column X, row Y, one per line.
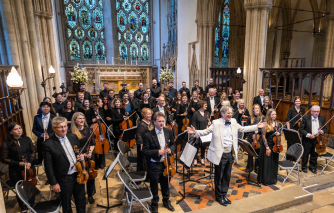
column 328, row 156
column 125, row 149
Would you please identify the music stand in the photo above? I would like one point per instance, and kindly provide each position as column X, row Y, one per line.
column 179, row 140
column 246, row 146
column 128, row 135
column 292, row 135
column 105, row 177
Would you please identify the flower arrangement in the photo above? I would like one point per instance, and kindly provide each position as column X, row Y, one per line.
column 166, row 75
column 79, row 75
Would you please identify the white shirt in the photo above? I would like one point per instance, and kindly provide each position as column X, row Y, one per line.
column 45, row 119
column 262, row 99
column 212, row 103
column 65, row 143
column 227, row 140
column 162, row 109
column 315, row 126
column 162, row 142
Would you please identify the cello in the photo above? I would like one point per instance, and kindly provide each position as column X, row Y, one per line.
column 320, row 147
column 101, row 143
column 28, row 174
column 127, row 124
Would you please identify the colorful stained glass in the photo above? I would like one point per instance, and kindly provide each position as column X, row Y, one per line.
column 66, row 1
column 92, row 34
column 133, row 21
column 217, row 43
column 91, row 3
column 74, row 50
column 87, row 50
column 144, row 52
column 98, row 18
column 79, row 33
column 123, row 51
column 71, row 15
column 147, row 38
column 139, row 37
column 85, row 17
column 133, row 51
column 69, row 32
column 146, row 7
column 137, row 6
column 143, row 1
column 222, row 36
column 128, row 36
column 121, row 21
column 119, row 36
column 143, row 23
column 100, row 3
column 127, row 6
column 99, row 50
column 102, row 35
column 77, row 2
column 117, row 5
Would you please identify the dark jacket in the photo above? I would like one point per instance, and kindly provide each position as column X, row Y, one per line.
column 155, row 92
column 77, row 106
column 209, row 86
column 186, row 90
column 172, row 92
column 156, row 109
column 103, row 93
column 200, row 89
column 217, row 101
column 138, row 94
column 37, row 127
column 306, row 126
column 86, row 96
column 257, row 100
column 122, row 92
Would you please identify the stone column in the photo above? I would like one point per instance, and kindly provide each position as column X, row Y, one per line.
column 329, row 53
column 255, row 45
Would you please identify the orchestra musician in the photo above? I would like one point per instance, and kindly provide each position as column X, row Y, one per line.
column 197, row 86
column 59, row 104
column 85, row 107
column 193, row 105
column 199, row 121
column 86, row 94
column 309, row 128
column 80, row 128
column 123, row 90
column 185, row 89
column 172, row 90
column 107, row 111
column 104, row 92
column 41, row 122
column 52, row 110
column 209, row 86
column 117, row 117
column 161, row 107
column 212, row 101
column 80, row 102
column 230, row 95
column 59, row 162
column 255, row 118
column 144, row 126
column 12, row 151
column 266, row 106
column 111, row 96
column 155, row 150
column 268, row 159
column 129, row 107
column 155, row 90
column 145, row 102
column 224, row 137
column 234, row 102
column 259, row 99
column 293, row 124
column 241, row 112
column 68, row 112
column 139, row 92
column 151, row 98
column 169, row 99
column 181, row 112
column 223, row 97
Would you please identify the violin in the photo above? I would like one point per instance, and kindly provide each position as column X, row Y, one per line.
column 170, row 168
column 83, row 175
column 216, row 114
column 277, row 143
column 255, row 143
column 185, row 121
column 320, row 147
column 28, row 174
column 101, row 143
column 127, row 125
column 90, row 167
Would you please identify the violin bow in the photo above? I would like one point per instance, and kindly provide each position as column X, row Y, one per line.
column 106, row 125
column 320, row 128
column 287, row 122
column 279, row 103
column 91, row 134
column 301, row 117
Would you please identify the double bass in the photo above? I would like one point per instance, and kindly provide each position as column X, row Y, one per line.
column 127, row 125
column 28, row 174
column 101, row 143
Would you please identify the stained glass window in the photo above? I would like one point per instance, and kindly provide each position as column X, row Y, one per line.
column 85, row 29
column 133, row 26
column 172, row 25
column 222, row 36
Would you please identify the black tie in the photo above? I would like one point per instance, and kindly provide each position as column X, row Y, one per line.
column 227, row 123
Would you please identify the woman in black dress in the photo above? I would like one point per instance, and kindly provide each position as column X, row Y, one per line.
column 255, row 118
column 145, row 103
column 230, row 95
column 200, row 121
column 12, row 151
column 193, row 106
column 82, row 130
column 85, row 107
column 177, row 101
column 268, row 159
column 68, row 112
column 144, row 126
column 181, row 112
column 234, row 101
column 107, row 110
column 265, row 106
column 117, row 117
column 241, row 112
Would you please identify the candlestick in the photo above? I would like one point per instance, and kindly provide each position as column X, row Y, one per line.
column 125, row 61
column 136, row 62
column 98, row 62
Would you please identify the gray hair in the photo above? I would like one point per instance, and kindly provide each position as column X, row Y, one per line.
column 224, row 109
column 266, row 97
column 57, row 120
column 315, row 107
column 239, row 102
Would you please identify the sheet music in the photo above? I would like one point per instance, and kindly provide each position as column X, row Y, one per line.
column 206, row 138
column 188, row 154
column 111, row 167
column 134, row 127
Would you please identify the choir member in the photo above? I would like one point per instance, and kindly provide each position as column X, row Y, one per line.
column 12, row 150
column 234, row 102
column 86, row 94
column 107, row 111
column 230, row 95
column 212, row 102
column 68, row 112
column 129, row 108
column 182, row 112
column 209, row 86
column 52, row 110
column 197, row 86
column 104, row 92
column 145, row 103
column 200, row 122
column 309, row 128
column 172, row 90
column 266, row 106
column 123, row 90
column 59, row 104
column 111, row 96
column 259, row 99
column 139, row 92
column 177, row 101
column 241, row 112
column 155, row 90
column 169, row 99
column 268, row 160
column 80, row 102
column 117, row 117
column 193, row 105
column 85, row 107
column 185, row 89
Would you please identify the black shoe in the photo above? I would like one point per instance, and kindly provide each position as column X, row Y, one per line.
column 304, row 170
column 222, row 202
column 226, row 200
column 91, row 200
column 101, row 167
column 169, row 207
column 314, row 171
column 47, row 183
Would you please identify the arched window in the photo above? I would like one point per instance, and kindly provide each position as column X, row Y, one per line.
column 222, row 36
column 133, row 28
column 85, row 30
column 172, row 24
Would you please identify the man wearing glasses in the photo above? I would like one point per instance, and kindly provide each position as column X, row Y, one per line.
column 59, row 161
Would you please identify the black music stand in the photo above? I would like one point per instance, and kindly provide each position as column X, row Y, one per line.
column 179, row 140
column 129, row 134
column 210, row 176
column 105, row 177
column 292, row 135
column 246, row 146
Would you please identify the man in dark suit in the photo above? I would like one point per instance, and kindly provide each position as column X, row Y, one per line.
column 139, row 92
column 123, row 91
column 197, row 86
column 59, row 104
column 212, row 102
column 41, row 122
column 60, row 160
column 154, row 148
column 79, row 103
column 185, row 89
column 259, row 99
column 86, row 94
column 309, row 129
column 104, row 92
column 209, row 86
column 172, row 90
column 155, row 90
column 161, row 107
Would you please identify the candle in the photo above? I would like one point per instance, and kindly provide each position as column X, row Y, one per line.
column 136, row 62
column 125, row 61
column 63, row 81
column 98, row 62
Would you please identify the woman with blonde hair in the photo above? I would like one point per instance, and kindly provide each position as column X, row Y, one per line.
column 223, row 97
column 80, row 128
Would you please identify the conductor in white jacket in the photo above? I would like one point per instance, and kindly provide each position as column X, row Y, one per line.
column 224, row 140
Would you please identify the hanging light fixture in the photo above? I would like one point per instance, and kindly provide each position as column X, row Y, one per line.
column 238, row 70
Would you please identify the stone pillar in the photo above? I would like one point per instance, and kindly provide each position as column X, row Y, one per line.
column 207, row 20
column 255, row 45
column 329, row 53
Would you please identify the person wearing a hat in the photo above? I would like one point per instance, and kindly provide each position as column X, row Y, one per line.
column 123, row 91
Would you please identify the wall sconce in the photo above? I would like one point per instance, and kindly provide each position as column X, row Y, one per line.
column 15, row 84
column 52, row 72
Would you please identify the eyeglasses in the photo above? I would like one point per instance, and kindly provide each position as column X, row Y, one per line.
column 61, row 127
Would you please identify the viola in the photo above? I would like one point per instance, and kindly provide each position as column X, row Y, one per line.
column 90, row 167
column 101, row 143
column 170, row 168
column 185, row 121
column 28, row 174
column 216, row 114
column 320, row 147
column 255, row 143
column 83, row 175
column 127, row 125
column 277, row 144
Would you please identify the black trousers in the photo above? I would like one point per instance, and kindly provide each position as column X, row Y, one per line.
column 223, row 175
column 309, row 149
column 141, row 159
column 69, row 186
column 156, row 176
column 40, row 150
column 200, row 145
column 99, row 161
column 250, row 161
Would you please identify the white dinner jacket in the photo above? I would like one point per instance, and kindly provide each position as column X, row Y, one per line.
column 216, row 147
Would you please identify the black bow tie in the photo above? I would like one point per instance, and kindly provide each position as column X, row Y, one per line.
column 227, row 122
